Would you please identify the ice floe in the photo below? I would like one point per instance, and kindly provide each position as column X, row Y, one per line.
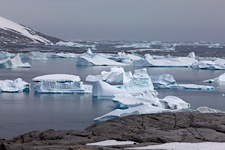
column 14, row 86
column 91, row 59
column 14, row 62
column 165, row 62
column 111, row 142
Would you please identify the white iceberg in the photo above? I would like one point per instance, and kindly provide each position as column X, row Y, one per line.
column 218, row 64
column 167, row 81
column 62, row 55
column 91, row 59
column 14, row 86
column 191, row 87
column 57, row 78
column 140, row 81
column 34, row 56
column 220, row 79
column 163, row 81
column 124, row 101
column 111, row 143
column 165, row 62
column 134, row 45
column 53, row 87
column 116, row 75
column 142, row 109
column 4, row 54
column 105, row 91
column 174, row 103
column 14, row 62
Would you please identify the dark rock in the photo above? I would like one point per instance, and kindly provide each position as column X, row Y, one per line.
column 142, row 129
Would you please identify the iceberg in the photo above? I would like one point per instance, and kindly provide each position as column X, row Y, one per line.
column 163, row 81
column 53, row 87
column 142, row 109
column 124, row 101
column 14, row 62
column 116, row 75
column 165, row 62
column 205, row 109
column 167, row 81
column 218, row 64
column 220, row 79
column 91, row 59
column 14, row 86
column 34, row 56
column 174, row 103
column 103, row 90
column 57, row 78
column 72, row 44
column 4, row 54
column 62, row 55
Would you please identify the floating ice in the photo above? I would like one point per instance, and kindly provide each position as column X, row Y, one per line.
column 116, row 75
column 163, row 81
column 142, row 109
column 167, row 81
column 53, row 87
column 91, row 59
column 10, row 86
column 124, row 101
column 220, row 79
column 4, row 54
column 165, row 62
column 62, row 55
column 134, row 45
column 72, row 44
column 57, row 78
column 218, row 64
column 174, row 103
column 34, row 56
column 14, row 62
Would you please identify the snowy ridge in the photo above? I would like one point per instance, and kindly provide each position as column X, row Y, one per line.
column 22, row 30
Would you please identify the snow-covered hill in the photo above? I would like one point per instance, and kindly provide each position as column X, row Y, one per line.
column 12, row 33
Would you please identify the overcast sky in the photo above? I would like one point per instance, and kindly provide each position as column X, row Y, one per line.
column 180, row 20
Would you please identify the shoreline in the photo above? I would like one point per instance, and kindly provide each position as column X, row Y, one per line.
column 148, row 129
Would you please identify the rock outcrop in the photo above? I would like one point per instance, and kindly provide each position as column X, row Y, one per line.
column 142, row 129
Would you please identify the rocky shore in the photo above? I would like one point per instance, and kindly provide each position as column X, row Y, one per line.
column 142, row 129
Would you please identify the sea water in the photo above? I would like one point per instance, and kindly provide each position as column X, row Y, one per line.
column 25, row 112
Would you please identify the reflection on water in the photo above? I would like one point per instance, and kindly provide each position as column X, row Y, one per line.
column 24, row 112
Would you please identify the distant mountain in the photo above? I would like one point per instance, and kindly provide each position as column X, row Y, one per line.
column 13, row 34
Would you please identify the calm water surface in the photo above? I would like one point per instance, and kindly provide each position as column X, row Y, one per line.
column 24, row 112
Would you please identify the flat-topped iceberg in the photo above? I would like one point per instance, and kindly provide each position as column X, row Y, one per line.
column 205, row 109
column 73, row 44
column 91, row 59
column 62, row 55
column 14, row 86
column 165, row 62
column 57, row 78
column 14, row 62
column 53, row 87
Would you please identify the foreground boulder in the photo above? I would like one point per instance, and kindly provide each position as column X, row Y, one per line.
column 142, row 129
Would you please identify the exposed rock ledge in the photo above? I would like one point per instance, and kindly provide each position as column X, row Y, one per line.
column 143, row 129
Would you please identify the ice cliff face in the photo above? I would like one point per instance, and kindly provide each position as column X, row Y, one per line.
column 12, row 33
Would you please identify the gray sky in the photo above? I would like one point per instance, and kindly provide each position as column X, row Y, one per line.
column 180, row 20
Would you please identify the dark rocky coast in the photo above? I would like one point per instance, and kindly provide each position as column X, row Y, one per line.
column 142, row 129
